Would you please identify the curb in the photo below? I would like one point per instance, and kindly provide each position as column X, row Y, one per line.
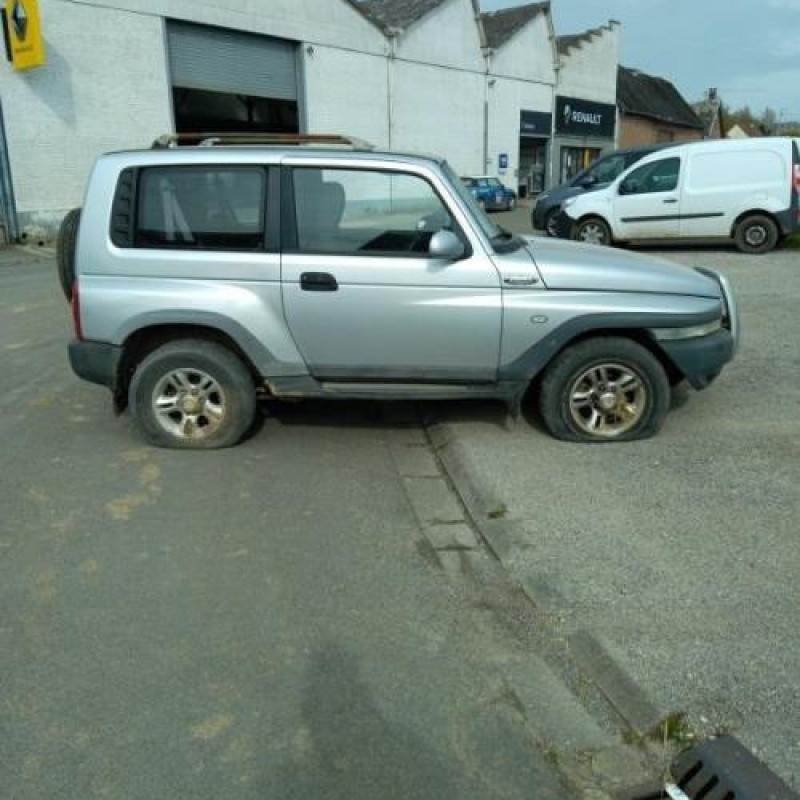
column 593, row 658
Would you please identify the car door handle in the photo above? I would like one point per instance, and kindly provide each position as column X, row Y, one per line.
column 671, row 200
column 521, row 280
column 318, row 282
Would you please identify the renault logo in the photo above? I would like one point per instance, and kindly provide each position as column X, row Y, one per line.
column 20, row 20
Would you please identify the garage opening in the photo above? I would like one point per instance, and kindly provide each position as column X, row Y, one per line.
column 226, row 81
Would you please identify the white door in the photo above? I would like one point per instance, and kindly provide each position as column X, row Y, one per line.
column 648, row 204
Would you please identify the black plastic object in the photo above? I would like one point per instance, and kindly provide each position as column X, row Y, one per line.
column 723, row 769
column 318, row 282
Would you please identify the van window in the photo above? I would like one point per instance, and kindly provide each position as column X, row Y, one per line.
column 201, row 208
column 658, row 176
column 761, row 168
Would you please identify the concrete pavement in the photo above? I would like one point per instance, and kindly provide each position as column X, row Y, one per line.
column 262, row 622
column 680, row 553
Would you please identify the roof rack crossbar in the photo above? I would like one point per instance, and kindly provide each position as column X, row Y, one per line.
column 169, row 140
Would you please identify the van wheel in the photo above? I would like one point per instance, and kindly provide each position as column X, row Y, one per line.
column 608, row 389
column 65, row 250
column 593, row 231
column 756, row 235
column 193, row 394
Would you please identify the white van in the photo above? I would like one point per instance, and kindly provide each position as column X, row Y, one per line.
column 746, row 191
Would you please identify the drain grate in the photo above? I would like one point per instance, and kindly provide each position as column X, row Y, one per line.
column 723, row 769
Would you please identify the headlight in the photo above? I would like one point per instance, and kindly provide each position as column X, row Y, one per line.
column 542, row 197
column 693, row 332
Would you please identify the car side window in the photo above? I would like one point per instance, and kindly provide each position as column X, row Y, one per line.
column 364, row 212
column 608, row 169
column 659, row 176
column 201, row 208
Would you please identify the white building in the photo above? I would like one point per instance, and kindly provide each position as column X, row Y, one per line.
column 424, row 75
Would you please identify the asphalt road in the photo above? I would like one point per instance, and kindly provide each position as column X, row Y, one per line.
column 682, row 551
column 261, row 622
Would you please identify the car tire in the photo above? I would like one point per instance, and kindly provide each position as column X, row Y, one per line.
column 193, row 394
column 593, row 231
column 756, row 235
column 65, row 250
column 551, row 223
column 605, row 389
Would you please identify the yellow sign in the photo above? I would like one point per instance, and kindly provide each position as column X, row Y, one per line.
column 24, row 33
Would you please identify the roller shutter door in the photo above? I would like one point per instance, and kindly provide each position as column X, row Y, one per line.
column 221, row 60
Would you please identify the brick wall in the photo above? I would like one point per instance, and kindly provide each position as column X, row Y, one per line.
column 635, row 131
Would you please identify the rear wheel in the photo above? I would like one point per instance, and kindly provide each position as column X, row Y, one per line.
column 757, row 234
column 65, row 250
column 193, row 394
column 593, row 231
column 604, row 390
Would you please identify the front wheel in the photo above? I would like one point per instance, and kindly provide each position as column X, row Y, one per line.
column 551, row 223
column 593, row 231
column 193, row 394
column 608, row 389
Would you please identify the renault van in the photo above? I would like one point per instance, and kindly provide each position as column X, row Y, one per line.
column 742, row 191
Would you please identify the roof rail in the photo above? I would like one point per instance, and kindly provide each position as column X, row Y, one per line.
column 169, row 140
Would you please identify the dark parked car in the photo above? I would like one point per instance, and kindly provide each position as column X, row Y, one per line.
column 597, row 176
column 491, row 193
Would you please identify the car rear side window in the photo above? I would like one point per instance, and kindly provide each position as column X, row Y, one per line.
column 201, row 208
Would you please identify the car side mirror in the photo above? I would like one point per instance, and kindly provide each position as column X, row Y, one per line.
column 626, row 187
column 587, row 181
column 446, row 245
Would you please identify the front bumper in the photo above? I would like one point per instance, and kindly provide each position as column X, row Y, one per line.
column 96, row 362
column 564, row 225
column 701, row 360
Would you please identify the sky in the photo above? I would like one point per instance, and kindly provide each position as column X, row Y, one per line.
column 748, row 49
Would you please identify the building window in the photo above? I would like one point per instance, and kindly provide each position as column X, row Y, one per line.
column 201, row 208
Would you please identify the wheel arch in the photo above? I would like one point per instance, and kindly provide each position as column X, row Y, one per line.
column 754, row 212
column 595, row 215
column 145, row 340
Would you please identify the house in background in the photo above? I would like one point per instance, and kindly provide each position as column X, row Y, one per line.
column 652, row 110
column 710, row 113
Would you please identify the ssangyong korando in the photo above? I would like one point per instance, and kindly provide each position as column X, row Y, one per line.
column 201, row 276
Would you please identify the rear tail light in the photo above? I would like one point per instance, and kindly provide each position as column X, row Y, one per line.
column 75, row 307
column 797, row 177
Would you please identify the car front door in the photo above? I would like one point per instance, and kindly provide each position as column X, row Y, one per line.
column 364, row 299
column 647, row 201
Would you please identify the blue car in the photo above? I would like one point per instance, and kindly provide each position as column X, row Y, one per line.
column 491, row 193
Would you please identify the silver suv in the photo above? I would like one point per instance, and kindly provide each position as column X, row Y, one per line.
column 318, row 267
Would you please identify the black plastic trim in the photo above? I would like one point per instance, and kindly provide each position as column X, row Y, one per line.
column 700, row 360
column 672, row 217
column 95, row 362
column 531, row 363
column 123, row 210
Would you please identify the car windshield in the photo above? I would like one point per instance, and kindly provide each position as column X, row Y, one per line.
column 502, row 240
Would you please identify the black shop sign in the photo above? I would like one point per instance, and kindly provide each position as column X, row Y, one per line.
column 576, row 117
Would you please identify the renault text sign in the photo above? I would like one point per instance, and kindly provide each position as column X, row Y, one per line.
column 576, row 117
column 23, row 34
